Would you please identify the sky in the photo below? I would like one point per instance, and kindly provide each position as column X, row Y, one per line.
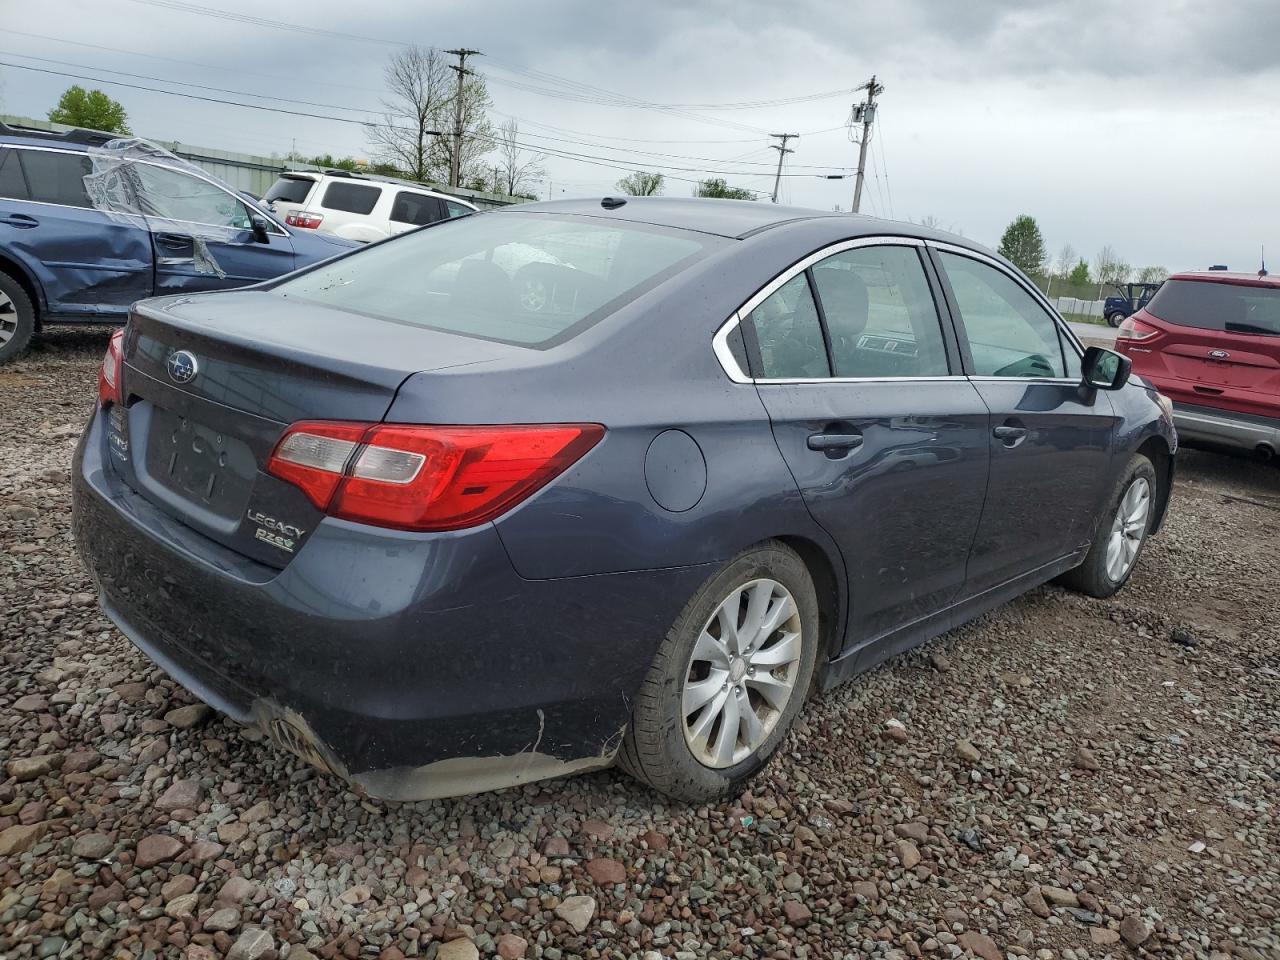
column 1152, row 126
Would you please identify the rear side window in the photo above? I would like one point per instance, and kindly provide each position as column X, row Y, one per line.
column 290, row 190
column 880, row 314
column 415, row 208
column 1009, row 333
column 57, row 177
column 526, row 279
column 1229, row 307
column 350, row 197
column 12, row 184
column 789, row 333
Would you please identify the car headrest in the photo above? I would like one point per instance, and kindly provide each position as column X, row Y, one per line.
column 845, row 300
column 483, row 285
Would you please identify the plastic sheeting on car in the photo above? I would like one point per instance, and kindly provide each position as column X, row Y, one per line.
column 135, row 178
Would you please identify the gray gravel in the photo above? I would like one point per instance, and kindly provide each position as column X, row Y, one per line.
column 1066, row 778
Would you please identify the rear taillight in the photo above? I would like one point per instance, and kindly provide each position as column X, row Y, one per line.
column 1134, row 329
column 426, row 477
column 109, row 375
column 300, row 218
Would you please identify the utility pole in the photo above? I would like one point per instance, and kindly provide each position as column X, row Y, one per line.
column 782, row 152
column 460, row 68
column 865, row 113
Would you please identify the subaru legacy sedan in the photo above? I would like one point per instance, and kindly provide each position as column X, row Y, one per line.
column 593, row 482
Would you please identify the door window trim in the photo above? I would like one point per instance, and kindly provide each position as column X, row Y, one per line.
column 1063, row 328
column 720, row 341
column 254, row 210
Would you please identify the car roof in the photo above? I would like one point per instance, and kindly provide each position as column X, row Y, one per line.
column 1229, row 276
column 736, row 219
column 372, row 179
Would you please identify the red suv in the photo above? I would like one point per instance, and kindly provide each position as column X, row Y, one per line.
column 1210, row 342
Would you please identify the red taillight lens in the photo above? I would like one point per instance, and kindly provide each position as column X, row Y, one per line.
column 426, row 477
column 1134, row 329
column 109, row 375
column 300, row 218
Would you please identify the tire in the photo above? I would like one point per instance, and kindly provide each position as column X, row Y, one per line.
column 1098, row 576
column 17, row 319
column 657, row 749
column 1115, row 319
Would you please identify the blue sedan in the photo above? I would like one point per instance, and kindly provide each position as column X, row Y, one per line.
column 594, row 482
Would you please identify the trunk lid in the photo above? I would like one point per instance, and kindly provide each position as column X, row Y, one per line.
column 211, row 382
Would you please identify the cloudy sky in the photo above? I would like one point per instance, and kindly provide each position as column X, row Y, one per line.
column 1149, row 125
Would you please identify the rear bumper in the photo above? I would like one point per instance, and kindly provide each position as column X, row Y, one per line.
column 414, row 665
column 1243, row 431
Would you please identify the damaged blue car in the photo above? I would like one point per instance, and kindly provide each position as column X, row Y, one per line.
column 90, row 223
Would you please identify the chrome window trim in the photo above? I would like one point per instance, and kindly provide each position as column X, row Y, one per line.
column 1036, row 295
column 280, row 231
column 720, row 342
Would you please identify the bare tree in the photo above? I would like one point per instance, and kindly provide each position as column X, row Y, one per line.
column 1066, row 259
column 516, row 170
column 1109, row 268
column 477, row 132
column 1152, row 274
column 642, row 184
column 420, row 91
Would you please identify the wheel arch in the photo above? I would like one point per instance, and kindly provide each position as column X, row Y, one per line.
column 1156, row 449
column 827, row 573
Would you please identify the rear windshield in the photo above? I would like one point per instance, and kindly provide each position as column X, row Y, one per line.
column 290, row 190
column 527, row 279
column 1229, row 307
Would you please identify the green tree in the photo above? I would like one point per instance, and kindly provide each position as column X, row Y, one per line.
column 1079, row 275
column 716, row 188
column 93, row 109
column 1023, row 244
column 642, row 184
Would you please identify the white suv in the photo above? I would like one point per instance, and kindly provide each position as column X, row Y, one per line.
column 358, row 207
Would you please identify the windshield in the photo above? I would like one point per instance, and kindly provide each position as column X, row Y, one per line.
column 1229, row 307
column 527, row 279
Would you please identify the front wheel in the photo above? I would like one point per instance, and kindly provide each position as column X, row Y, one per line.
column 1115, row 319
column 1121, row 535
column 728, row 680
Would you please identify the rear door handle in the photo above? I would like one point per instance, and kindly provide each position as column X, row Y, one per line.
column 1009, row 433
column 835, row 441
column 19, row 220
column 174, row 241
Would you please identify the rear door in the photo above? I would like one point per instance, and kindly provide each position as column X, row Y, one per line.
column 1049, row 442
column 203, row 234
column 884, row 435
column 88, row 262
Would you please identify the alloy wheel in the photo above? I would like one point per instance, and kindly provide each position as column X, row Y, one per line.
column 1128, row 528
column 8, row 318
column 742, row 673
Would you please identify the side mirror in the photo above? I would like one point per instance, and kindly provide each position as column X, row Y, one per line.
column 1105, row 369
column 261, row 229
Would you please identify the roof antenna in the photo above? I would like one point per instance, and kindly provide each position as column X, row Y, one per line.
column 1263, row 271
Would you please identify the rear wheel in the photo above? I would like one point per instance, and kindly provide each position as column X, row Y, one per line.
column 17, row 319
column 1122, row 533
column 1115, row 319
column 728, row 680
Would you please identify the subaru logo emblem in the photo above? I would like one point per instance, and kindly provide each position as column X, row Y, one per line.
column 182, row 366
column 1219, row 354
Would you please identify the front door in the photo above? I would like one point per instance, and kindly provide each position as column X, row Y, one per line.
column 885, row 437
column 1050, row 440
column 203, row 234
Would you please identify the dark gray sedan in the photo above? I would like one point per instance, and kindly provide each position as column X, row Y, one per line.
column 534, row 492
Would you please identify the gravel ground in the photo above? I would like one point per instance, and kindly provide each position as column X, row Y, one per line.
column 1065, row 778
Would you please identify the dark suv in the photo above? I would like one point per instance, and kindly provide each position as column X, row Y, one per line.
column 66, row 255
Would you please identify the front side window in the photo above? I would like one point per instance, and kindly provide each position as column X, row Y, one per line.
column 527, row 279
column 54, row 177
column 457, row 209
column 1009, row 333
column 350, row 197
column 880, row 314
column 789, row 333
column 173, row 195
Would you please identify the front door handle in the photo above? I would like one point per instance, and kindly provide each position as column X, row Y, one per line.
column 1009, row 433
column 19, row 220
column 835, row 441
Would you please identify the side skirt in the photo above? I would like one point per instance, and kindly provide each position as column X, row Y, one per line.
column 862, row 658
